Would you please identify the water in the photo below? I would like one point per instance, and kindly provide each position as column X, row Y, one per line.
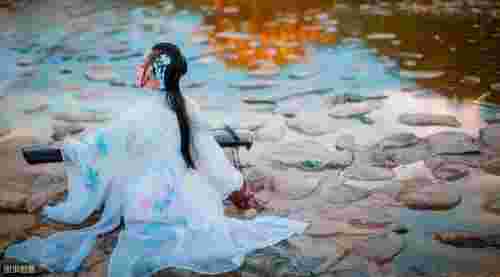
column 296, row 36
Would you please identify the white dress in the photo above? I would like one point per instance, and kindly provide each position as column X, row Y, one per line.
column 174, row 216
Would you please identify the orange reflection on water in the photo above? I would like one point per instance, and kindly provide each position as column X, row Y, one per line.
column 243, row 37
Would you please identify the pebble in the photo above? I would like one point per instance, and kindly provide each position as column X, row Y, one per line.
column 468, row 239
column 13, row 201
column 495, row 87
column 63, row 130
column 264, row 72
column 24, row 62
column 430, row 197
column 490, row 136
column 491, row 166
column 302, row 75
column 350, row 110
column 316, row 123
column 82, row 117
column 473, row 80
column 118, row 82
column 15, row 223
column 296, row 155
column 254, row 85
column 410, row 55
column 346, row 142
column 100, row 73
column 363, row 172
column 381, row 36
column 399, row 140
column 451, row 142
column 396, row 42
column 410, row 63
column 259, row 100
column 65, row 71
column 380, row 249
column 421, row 74
column 423, row 119
column 274, row 130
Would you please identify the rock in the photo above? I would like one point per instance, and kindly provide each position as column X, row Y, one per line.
column 493, row 120
column 118, row 48
column 380, row 249
column 315, row 247
column 495, row 87
column 450, row 172
column 302, row 75
column 406, row 155
column 473, row 80
column 118, row 83
column 100, row 73
column 334, row 192
column 352, row 110
column 65, row 71
column 194, row 84
column 421, row 74
column 399, row 140
column 295, row 184
column 13, row 201
column 5, row 131
column 490, row 136
column 346, row 142
column 82, row 117
column 63, row 130
column 13, row 223
column 381, row 36
column 24, row 62
column 368, row 173
column 468, row 240
column 298, row 154
column 273, row 130
column 450, row 142
column 491, row 166
column 259, row 100
column 410, row 63
column 316, row 123
column 251, row 120
column 431, row 197
column 409, row 55
column 253, row 85
column 424, row 119
column 265, row 72
column 328, row 228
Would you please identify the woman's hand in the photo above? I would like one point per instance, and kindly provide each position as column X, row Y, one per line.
column 244, row 198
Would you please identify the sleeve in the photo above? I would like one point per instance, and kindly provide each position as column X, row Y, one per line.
column 86, row 164
column 209, row 156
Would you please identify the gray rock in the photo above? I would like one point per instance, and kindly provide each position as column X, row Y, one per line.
column 352, row 109
column 63, row 130
column 82, row 117
column 298, row 154
column 399, row 140
column 15, row 223
column 316, row 123
column 368, row 173
column 431, row 197
column 423, row 119
column 273, row 130
column 450, row 142
column 490, row 136
column 346, row 142
column 380, row 249
column 254, row 85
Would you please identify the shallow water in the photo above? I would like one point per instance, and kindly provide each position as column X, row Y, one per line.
column 313, row 36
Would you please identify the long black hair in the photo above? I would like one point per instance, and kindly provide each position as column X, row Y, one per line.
column 174, row 71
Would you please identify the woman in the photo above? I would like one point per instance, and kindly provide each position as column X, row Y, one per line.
column 159, row 169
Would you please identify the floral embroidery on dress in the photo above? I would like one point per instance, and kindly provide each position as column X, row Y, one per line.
column 93, row 178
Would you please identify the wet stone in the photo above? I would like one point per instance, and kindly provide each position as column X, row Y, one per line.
column 273, row 130
column 16, row 223
column 450, row 142
column 352, row 110
column 491, row 166
column 346, row 142
column 380, row 249
column 423, row 119
column 432, row 197
column 309, row 155
column 468, row 240
column 316, row 123
column 82, row 117
column 368, row 173
column 490, row 136
column 399, row 140
column 254, row 85
column 421, row 74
